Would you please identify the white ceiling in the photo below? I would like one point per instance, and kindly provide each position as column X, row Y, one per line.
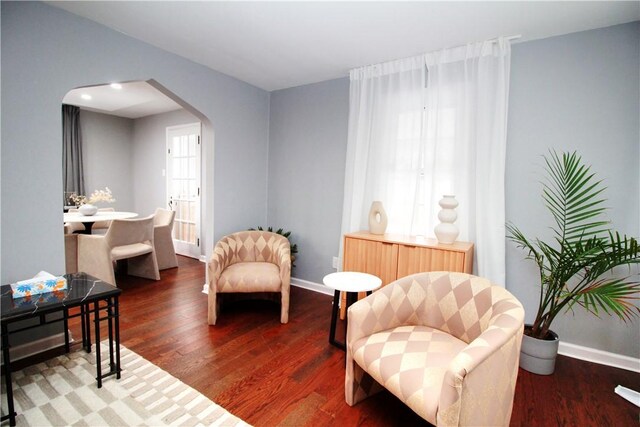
column 133, row 100
column 275, row 45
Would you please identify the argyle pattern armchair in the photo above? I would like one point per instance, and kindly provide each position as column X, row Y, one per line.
column 446, row 344
column 248, row 262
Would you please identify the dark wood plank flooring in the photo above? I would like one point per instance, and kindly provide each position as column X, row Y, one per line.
column 271, row 374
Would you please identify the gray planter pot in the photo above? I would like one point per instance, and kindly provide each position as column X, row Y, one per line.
column 539, row 356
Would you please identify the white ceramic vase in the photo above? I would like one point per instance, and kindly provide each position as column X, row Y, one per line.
column 377, row 218
column 88, row 210
column 447, row 231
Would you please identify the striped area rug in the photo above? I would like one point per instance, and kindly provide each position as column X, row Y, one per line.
column 63, row 392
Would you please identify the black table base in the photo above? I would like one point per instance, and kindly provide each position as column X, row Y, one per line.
column 351, row 298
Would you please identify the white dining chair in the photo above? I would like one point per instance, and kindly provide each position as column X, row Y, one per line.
column 99, row 227
column 163, row 240
column 130, row 239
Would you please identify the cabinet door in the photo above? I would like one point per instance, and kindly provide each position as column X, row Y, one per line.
column 367, row 256
column 415, row 259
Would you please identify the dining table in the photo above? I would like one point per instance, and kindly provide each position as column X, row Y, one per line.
column 89, row 220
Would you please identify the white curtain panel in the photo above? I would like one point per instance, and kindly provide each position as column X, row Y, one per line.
column 426, row 126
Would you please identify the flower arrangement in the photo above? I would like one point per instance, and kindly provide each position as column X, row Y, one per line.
column 97, row 196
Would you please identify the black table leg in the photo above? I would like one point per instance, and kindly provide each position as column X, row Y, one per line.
column 87, row 228
column 84, row 329
column 66, row 329
column 96, row 314
column 87, row 326
column 117, row 328
column 334, row 319
column 110, row 316
column 351, row 298
column 11, row 416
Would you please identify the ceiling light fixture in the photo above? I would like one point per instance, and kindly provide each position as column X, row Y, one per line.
column 86, row 96
column 116, row 86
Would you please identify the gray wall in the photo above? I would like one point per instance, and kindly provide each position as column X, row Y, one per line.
column 307, row 149
column 578, row 91
column 575, row 92
column 149, row 158
column 107, row 152
column 45, row 53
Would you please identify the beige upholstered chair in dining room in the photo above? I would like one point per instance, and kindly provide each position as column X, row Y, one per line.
column 130, row 239
column 446, row 344
column 70, row 252
column 248, row 262
column 162, row 239
column 99, row 227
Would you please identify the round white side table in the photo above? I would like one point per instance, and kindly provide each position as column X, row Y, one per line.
column 350, row 282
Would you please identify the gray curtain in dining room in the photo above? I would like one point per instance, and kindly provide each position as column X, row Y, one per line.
column 72, row 170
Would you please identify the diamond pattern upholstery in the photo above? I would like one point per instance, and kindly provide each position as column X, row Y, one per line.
column 446, row 344
column 250, row 261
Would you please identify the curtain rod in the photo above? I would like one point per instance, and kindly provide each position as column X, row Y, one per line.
column 493, row 40
column 509, row 38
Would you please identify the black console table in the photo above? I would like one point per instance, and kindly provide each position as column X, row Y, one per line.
column 83, row 291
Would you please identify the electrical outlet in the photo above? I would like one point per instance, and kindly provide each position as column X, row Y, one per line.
column 335, row 262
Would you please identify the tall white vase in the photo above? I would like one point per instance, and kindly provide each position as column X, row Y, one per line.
column 377, row 218
column 447, row 231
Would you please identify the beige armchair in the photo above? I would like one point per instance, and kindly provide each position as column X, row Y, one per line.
column 446, row 344
column 162, row 239
column 130, row 239
column 250, row 261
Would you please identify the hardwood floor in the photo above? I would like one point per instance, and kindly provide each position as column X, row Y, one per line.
column 271, row 374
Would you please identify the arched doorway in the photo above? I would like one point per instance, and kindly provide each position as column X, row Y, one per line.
column 124, row 128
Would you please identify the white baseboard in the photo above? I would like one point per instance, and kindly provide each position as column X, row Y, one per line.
column 38, row 346
column 305, row 284
column 566, row 349
column 312, row 286
column 599, row 356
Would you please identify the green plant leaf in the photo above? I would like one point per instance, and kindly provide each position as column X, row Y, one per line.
column 576, row 268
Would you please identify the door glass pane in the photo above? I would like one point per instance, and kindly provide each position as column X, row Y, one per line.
column 184, row 183
column 176, row 146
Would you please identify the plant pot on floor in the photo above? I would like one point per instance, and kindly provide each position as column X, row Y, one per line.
column 538, row 356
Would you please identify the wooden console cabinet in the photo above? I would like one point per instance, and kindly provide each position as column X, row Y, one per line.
column 392, row 256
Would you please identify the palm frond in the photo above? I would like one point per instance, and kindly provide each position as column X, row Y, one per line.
column 576, row 268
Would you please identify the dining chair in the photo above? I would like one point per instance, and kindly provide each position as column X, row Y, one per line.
column 130, row 239
column 70, row 252
column 102, row 225
column 163, row 240
column 99, row 227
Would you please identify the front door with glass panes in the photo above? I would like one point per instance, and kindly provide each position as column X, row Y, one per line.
column 183, row 186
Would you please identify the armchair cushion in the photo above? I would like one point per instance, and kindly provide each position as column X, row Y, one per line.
column 130, row 251
column 250, row 277
column 410, row 362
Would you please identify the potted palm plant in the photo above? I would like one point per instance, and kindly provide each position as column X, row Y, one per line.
column 280, row 231
column 576, row 265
